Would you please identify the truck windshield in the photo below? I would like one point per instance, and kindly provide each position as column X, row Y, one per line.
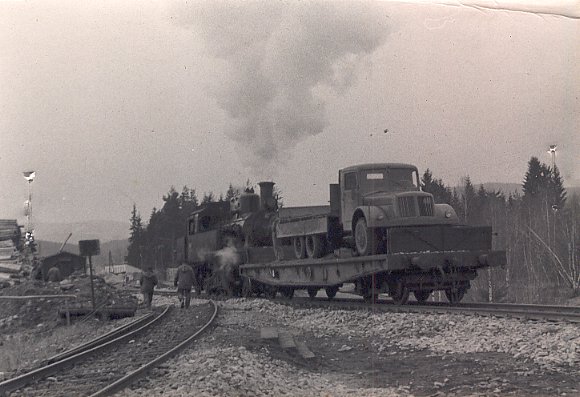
column 392, row 179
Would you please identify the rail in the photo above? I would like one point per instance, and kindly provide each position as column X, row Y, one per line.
column 20, row 381
column 131, row 377
column 108, row 371
column 570, row 314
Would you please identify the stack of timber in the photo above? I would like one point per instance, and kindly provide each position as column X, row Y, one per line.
column 9, row 238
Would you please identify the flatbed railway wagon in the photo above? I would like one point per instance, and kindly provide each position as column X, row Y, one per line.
column 380, row 232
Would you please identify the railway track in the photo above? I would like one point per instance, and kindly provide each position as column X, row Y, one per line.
column 112, row 362
column 551, row 313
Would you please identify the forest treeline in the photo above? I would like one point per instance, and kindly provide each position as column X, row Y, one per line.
column 538, row 228
column 154, row 244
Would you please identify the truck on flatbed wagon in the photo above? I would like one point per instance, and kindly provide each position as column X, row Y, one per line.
column 380, row 232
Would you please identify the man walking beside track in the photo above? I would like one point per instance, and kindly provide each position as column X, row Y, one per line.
column 148, row 282
column 184, row 279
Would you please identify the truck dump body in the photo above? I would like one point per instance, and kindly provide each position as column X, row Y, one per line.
column 299, row 221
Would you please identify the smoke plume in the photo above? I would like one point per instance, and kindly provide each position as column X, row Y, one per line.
column 277, row 57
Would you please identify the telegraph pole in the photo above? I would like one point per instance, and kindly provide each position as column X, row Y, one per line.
column 552, row 151
column 29, row 176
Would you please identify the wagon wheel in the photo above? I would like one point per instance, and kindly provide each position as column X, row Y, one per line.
column 366, row 239
column 454, row 295
column 299, row 247
column 246, row 287
column 315, row 246
column 270, row 291
column 287, row 292
column 331, row 291
column 399, row 292
column 422, row 296
column 371, row 295
column 368, row 291
column 312, row 292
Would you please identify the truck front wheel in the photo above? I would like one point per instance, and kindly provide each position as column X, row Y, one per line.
column 365, row 238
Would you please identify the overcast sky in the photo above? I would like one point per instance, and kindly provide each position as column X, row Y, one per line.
column 113, row 102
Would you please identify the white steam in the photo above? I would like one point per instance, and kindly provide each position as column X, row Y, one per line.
column 276, row 55
column 227, row 257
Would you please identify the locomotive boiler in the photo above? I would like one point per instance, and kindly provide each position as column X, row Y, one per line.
column 221, row 234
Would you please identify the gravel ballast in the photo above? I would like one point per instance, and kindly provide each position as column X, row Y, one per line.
column 232, row 360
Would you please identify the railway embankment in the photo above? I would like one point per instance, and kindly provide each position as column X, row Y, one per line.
column 366, row 353
column 31, row 329
column 259, row 347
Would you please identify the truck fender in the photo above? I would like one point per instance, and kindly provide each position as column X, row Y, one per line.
column 374, row 215
column 445, row 211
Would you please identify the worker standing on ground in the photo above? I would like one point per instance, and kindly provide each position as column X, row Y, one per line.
column 148, row 282
column 184, row 278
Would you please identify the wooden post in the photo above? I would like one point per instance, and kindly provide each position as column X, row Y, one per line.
column 92, row 285
column 66, row 305
column 90, row 248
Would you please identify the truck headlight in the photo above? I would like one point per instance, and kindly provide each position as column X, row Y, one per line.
column 380, row 217
column 447, row 214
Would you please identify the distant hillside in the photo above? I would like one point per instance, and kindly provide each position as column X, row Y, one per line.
column 102, row 230
column 505, row 188
column 508, row 188
column 517, row 187
column 118, row 250
column 573, row 190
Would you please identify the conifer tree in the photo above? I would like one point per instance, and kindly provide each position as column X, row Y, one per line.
column 441, row 193
column 469, row 200
column 136, row 238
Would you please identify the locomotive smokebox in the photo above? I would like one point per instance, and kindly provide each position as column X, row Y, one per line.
column 267, row 201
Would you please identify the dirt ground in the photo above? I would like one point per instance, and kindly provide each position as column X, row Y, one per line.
column 421, row 372
column 356, row 364
column 31, row 329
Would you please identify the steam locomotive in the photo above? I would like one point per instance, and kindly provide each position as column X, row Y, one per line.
column 223, row 235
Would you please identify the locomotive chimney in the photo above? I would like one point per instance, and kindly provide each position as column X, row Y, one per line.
column 267, row 195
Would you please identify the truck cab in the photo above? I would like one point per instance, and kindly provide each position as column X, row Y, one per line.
column 377, row 196
column 373, row 185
